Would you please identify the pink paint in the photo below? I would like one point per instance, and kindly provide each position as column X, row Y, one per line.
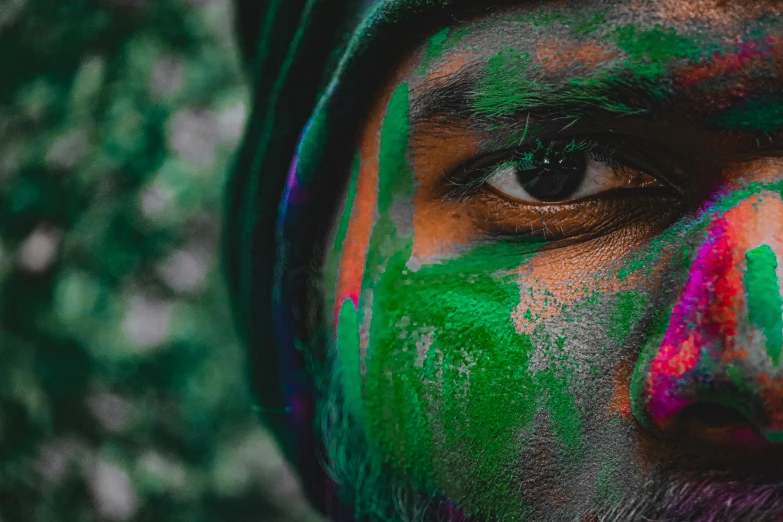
column 731, row 62
column 353, row 297
column 747, row 437
column 703, row 324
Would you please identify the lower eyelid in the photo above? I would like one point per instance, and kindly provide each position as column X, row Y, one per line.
column 499, row 216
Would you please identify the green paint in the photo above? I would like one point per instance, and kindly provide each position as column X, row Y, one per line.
column 395, row 178
column 435, row 48
column 580, row 22
column 439, row 43
column 682, row 258
column 477, row 416
column 348, row 349
column 643, row 262
column 504, row 89
column 559, row 401
column 345, row 218
column 540, row 18
column 611, row 486
column 774, row 436
column 654, row 335
column 447, row 385
column 741, row 381
column 765, row 305
column 510, row 83
column 387, row 254
column 659, row 44
column 437, row 40
column 348, row 319
column 586, row 24
column 754, row 115
column 652, row 52
column 509, row 86
column 630, row 308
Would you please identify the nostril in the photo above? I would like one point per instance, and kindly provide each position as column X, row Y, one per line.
column 714, row 425
column 715, row 437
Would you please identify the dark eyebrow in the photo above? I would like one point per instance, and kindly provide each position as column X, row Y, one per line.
column 455, row 98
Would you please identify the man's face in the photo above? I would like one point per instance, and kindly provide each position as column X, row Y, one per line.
column 555, row 276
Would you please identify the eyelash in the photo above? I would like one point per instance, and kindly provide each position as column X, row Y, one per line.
column 475, row 174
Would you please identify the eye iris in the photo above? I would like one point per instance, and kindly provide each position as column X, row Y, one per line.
column 549, row 175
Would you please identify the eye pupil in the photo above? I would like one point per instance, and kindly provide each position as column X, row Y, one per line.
column 550, row 175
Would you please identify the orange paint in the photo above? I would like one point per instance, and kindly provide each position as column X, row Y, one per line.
column 621, row 400
column 557, row 55
column 721, row 13
column 354, row 249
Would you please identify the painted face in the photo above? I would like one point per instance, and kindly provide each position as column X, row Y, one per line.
column 555, row 290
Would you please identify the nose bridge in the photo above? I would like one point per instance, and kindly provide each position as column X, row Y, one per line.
column 724, row 339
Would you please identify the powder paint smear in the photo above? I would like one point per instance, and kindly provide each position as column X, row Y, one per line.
column 504, row 90
column 629, row 310
column 445, row 366
column 439, row 43
column 765, row 304
column 705, row 314
column 588, row 24
column 509, row 86
column 540, row 18
column 342, row 229
column 348, row 352
column 659, row 45
column 447, row 374
column 473, row 387
column 436, row 43
column 347, row 317
column 581, row 22
column 644, row 261
column 559, row 401
column 387, row 254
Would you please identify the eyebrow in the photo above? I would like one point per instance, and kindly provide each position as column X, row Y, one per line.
column 456, row 98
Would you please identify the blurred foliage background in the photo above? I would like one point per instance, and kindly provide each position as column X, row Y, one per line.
column 122, row 386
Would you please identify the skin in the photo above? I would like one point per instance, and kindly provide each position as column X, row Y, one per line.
column 608, row 358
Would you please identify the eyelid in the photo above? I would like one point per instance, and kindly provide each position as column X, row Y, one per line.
column 599, row 179
column 472, row 176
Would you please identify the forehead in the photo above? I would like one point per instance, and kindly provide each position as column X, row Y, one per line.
column 668, row 25
column 638, row 57
column 704, row 14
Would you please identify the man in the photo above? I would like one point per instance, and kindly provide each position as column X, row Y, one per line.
column 525, row 256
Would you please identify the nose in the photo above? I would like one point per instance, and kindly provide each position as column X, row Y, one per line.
column 723, row 342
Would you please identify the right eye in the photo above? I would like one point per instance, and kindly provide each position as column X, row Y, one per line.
column 558, row 174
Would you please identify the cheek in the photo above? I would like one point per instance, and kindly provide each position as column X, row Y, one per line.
column 446, row 371
column 450, row 365
column 456, row 398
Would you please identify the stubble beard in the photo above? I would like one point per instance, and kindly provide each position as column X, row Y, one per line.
column 368, row 490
